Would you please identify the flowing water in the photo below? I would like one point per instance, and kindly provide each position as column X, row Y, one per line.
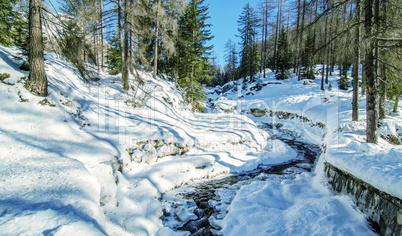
column 195, row 207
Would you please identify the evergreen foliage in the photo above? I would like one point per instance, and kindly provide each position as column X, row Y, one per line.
column 284, row 57
column 248, row 23
column 194, row 69
column 344, row 80
column 308, row 58
column 113, row 55
column 13, row 26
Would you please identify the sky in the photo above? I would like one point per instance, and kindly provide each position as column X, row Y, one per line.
column 224, row 16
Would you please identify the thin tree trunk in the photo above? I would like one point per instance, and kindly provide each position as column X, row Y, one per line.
column 301, row 38
column 120, row 28
column 355, row 102
column 276, row 36
column 156, row 42
column 296, row 64
column 265, row 39
column 102, row 35
column 124, row 72
column 383, row 92
column 37, row 81
column 396, row 103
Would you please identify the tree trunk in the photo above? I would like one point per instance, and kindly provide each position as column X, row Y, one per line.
column 276, row 36
column 124, row 67
column 396, row 103
column 355, row 103
column 102, row 35
column 120, row 28
column 37, row 81
column 301, row 37
column 296, row 64
column 156, row 41
column 372, row 88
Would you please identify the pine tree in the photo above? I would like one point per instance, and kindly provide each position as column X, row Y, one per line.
column 8, row 19
column 192, row 52
column 113, row 55
column 307, row 62
column 284, row 57
column 248, row 23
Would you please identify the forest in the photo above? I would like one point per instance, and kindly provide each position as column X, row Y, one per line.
column 171, row 39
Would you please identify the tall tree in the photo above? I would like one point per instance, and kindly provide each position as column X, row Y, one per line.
column 356, row 67
column 37, row 81
column 284, row 60
column 231, row 60
column 248, row 23
column 372, row 88
column 192, row 52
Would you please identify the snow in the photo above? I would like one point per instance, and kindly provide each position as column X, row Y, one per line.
column 291, row 207
column 94, row 160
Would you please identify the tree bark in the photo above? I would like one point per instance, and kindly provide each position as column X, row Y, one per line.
column 355, row 102
column 301, row 38
column 156, row 41
column 372, row 88
column 124, row 67
column 37, row 81
column 102, row 35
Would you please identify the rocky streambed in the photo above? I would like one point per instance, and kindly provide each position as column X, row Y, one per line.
column 195, row 207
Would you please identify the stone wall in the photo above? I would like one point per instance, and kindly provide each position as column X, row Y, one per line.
column 383, row 211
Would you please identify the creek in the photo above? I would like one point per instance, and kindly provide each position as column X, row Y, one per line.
column 196, row 206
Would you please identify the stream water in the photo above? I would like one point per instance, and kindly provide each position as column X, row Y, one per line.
column 195, row 207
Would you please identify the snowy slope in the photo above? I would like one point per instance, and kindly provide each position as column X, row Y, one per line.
column 61, row 159
column 323, row 117
column 94, row 160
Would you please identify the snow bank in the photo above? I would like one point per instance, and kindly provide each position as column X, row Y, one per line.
column 291, row 207
column 62, row 155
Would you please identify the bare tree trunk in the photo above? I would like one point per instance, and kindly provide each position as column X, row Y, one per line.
column 156, row 41
column 372, row 93
column 296, row 64
column 276, row 35
column 37, row 81
column 265, row 39
column 120, row 28
column 124, row 67
column 325, row 56
column 102, row 35
column 356, row 66
column 301, row 38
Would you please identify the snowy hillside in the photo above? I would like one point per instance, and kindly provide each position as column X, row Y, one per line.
column 323, row 117
column 91, row 159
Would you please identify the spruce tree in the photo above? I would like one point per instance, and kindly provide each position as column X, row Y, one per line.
column 307, row 63
column 284, row 57
column 192, row 52
column 248, row 23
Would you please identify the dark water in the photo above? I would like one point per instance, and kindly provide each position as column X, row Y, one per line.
column 209, row 199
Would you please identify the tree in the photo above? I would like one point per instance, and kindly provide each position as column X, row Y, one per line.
column 231, row 60
column 248, row 23
column 372, row 81
column 8, row 19
column 37, row 81
column 284, row 57
column 308, row 58
column 356, row 67
column 192, row 52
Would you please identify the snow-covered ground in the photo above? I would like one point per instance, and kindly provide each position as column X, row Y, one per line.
column 90, row 160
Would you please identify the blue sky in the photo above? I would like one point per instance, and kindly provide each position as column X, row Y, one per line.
column 224, row 16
